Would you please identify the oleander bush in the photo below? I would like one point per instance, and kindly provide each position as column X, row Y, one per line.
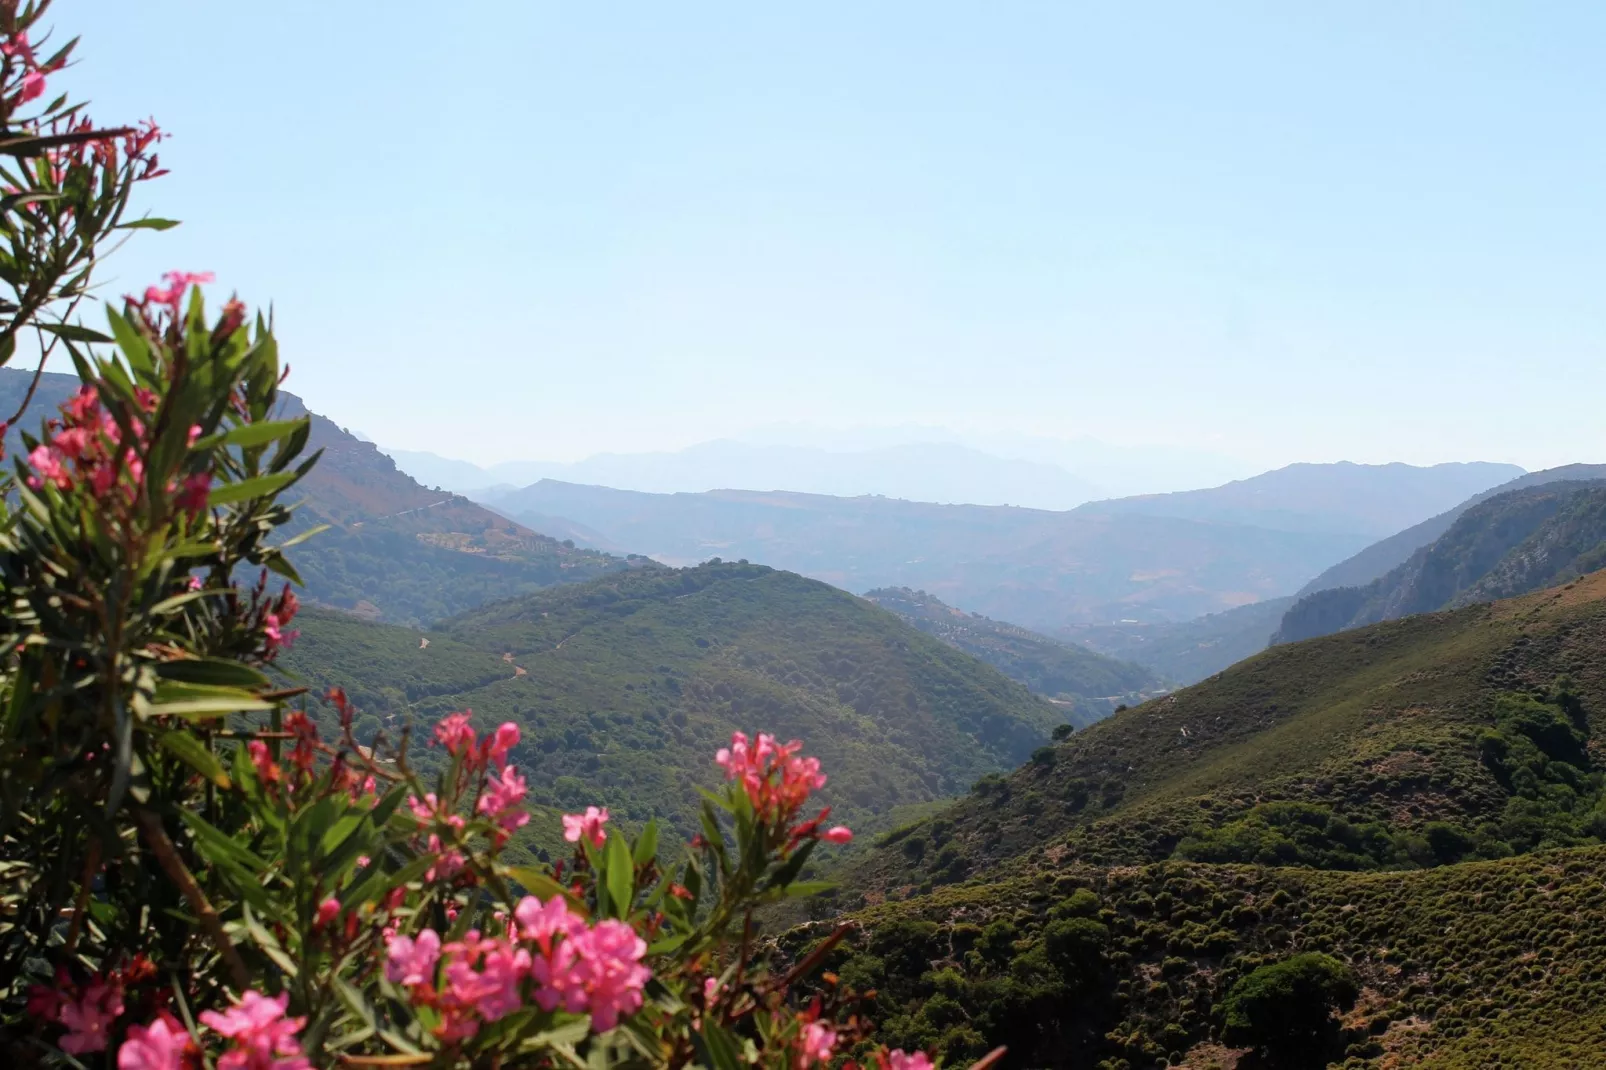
column 193, row 873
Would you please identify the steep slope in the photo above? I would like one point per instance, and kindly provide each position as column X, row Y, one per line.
column 1034, row 568
column 396, row 551
column 1186, row 652
column 1379, row 558
column 1378, row 724
column 626, row 686
column 1092, row 906
column 1506, row 545
column 1374, row 499
column 1087, row 685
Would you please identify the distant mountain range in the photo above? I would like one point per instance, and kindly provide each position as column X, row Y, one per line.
column 1161, row 558
column 943, row 472
column 1512, row 543
column 932, row 464
column 1369, row 499
column 1088, row 686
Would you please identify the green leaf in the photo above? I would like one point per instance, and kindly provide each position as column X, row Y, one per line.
column 544, row 887
column 268, row 942
column 200, row 701
column 297, row 540
column 647, row 844
column 717, row 1047
column 149, row 223
column 799, row 889
column 216, row 672
column 246, row 489
column 74, row 332
column 215, row 845
column 788, row 871
column 195, row 754
column 668, row 944
column 377, row 884
column 621, row 875
column 257, row 434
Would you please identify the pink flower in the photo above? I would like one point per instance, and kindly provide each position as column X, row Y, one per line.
column 505, row 739
column 837, row 834
column 588, row 825
column 194, row 583
column 264, row 1039
column 456, row 734
column 158, row 1046
column 196, row 489
column 33, row 87
column 775, row 778
column 89, row 1020
column 411, row 961
column 492, row 990
column 267, row 769
column 274, row 637
column 542, row 921
column 710, row 990
column 898, row 1059
column 593, row 969
column 501, row 801
column 423, row 809
column 817, row 1042
column 46, row 462
column 328, row 911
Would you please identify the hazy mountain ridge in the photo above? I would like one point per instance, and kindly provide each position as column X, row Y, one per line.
column 1034, row 568
column 1367, row 499
column 1086, row 684
column 1186, row 652
column 1505, row 545
column 941, row 472
column 1379, row 558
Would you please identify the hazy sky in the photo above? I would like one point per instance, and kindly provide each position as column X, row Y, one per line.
column 504, row 229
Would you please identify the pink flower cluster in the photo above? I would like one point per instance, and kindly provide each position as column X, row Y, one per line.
column 264, row 1038
column 549, row 956
column 586, row 826
column 32, row 86
column 502, row 800
column 86, row 446
column 161, row 1045
column 898, row 1059
column 815, row 1045
column 778, row 781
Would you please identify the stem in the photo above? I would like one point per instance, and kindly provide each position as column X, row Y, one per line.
column 91, row 867
column 167, row 855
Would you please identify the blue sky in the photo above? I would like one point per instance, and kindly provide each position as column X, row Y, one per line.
column 496, row 230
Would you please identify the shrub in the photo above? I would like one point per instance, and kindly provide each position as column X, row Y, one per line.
column 1286, row 1008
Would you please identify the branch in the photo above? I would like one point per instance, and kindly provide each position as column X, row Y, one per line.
column 179, row 874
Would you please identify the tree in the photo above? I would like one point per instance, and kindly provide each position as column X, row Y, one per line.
column 1286, row 1008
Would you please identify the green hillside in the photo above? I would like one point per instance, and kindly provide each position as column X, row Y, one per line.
column 626, row 686
column 1385, row 724
column 1086, row 685
column 1464, row 967
column 1431, row 789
